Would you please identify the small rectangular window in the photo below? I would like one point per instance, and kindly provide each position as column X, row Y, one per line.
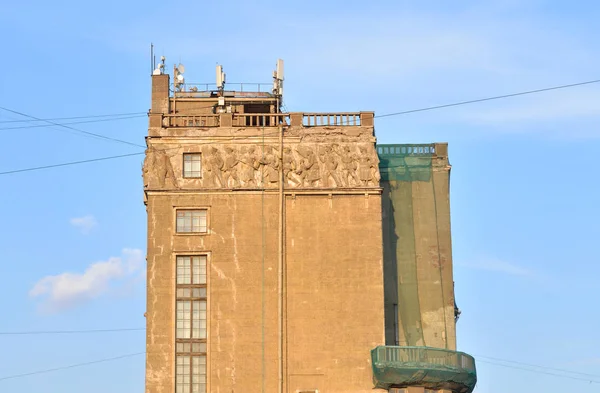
column 191, row 221
column 192, row 165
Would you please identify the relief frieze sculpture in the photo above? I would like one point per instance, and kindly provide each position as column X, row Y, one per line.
column 158, row 168
column 245, row 166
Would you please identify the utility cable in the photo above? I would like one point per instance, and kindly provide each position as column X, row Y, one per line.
column 69, row 163
column 478, row 357
column 141, row 353
column 70, row 366
column 540, row 371
column 535, row 365
column 74, row 122
column 430, row 108
column 72, row 128
column 488, row 99
column 75, row 117
column 35, row 332
column 120, row 156
column 378, row 116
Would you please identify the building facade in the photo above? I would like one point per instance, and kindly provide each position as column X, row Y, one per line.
column 266, row 250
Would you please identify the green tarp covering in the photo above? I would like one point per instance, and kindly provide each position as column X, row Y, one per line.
column 431, row 368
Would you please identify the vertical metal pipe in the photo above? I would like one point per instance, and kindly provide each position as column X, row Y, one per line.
column 280, row 264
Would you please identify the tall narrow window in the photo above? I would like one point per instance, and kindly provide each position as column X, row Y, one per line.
column 192, row 165
column 191, row 319
column 191, row 221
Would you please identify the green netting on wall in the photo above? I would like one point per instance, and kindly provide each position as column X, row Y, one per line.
column 400, row 167
column 431, row 368
column 405, row 162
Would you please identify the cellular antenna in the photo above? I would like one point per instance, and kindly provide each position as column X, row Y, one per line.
column 220, row 78
column 161, row 66
column 278, row 79
column 179, row 81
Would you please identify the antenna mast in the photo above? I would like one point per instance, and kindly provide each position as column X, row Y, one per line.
column 151, row 58
column 278, row 83
column 220, row 79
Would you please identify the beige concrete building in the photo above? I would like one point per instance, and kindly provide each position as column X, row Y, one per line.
column 266, row 250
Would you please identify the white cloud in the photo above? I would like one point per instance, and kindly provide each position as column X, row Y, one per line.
column 85, row 223
column 496, row 265
column 67, row 290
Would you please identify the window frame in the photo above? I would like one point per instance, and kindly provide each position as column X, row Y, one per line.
column 192, row 353
column 190, row 154
column 179, row 209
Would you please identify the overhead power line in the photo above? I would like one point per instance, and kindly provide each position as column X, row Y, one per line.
column 538, row 366
column 478, row 357
column 35, row 332
column 540, row 371
column 378, row 116
column 488, row 98
column 141, row 353
column 70, row 366
column 70, row 163
column 114, row 157
column 72, row 128
column 74, row 122
column 75, row 117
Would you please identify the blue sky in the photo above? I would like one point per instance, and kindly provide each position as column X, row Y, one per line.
column 524, row 194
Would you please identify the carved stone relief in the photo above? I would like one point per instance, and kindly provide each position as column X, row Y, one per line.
column 304, row 165
column 158, row 169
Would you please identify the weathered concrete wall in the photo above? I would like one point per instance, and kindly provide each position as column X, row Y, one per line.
column 335, row 291
column 235, row 288
column 333, row 304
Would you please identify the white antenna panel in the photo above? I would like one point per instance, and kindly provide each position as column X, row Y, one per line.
column 181, row 68
column 220, row 77
column 180, row 78
column 280, row 69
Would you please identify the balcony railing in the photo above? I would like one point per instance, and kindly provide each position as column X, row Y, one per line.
column 260, row 119
column 191, row 121
column 431, row 368
column 364, row 119
column 406, row 150
column 331, row 119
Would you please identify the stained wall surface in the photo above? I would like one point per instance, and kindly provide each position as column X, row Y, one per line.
column 332, row 249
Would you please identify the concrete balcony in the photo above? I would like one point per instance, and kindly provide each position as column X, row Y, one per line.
column 430, row 368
